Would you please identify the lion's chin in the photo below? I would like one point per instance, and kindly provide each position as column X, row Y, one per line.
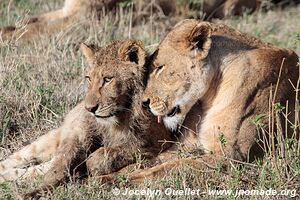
column 172, row 119
column 108, row 121
column 173, row 122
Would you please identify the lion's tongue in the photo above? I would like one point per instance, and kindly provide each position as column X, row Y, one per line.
column 158, row 119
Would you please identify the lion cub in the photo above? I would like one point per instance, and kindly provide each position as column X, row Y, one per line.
column 110, row 128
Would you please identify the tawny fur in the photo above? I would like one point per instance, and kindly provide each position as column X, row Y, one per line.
column 130, row 133
column 221, row 79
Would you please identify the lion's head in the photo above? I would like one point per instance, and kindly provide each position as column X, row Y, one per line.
column 180, row 71
column 110, row 91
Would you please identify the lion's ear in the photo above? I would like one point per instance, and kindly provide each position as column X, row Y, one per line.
column 89, row 52
column 132, row 51
column 199, row 39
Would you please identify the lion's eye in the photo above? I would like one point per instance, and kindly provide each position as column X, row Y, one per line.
column 107, row 79
column 159, row 67
column 88, row 78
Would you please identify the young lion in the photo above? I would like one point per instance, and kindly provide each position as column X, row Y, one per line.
column 111, row 119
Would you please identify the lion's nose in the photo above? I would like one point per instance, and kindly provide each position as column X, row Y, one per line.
column 146, row 103
column 92, row 109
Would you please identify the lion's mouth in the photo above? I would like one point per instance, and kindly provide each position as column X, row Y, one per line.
column 172, row 113
column 105, row 116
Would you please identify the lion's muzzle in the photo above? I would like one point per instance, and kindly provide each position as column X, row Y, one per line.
column 158, row 107
column 92, row 108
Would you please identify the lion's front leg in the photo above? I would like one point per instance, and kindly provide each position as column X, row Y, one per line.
column 108, row 160
column 41, row 150
column 68, row 158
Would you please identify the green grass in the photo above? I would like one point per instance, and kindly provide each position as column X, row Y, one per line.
column 42, row 80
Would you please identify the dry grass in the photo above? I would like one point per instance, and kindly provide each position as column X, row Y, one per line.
column 42, row 80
